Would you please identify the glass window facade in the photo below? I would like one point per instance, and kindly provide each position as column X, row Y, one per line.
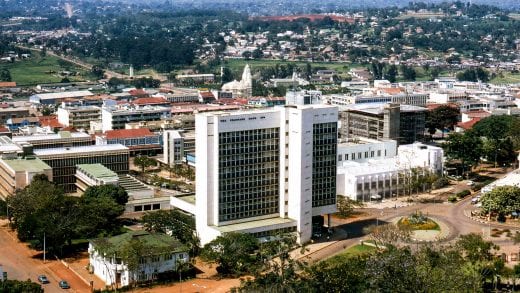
column 249, row 173
column 325, row 141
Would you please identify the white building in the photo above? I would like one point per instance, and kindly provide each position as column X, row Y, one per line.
column 242, row 88
column 264, row 172
column 107, row 262
column 173, row 147
column 78, row 117
column 386, row 178
column 116, row 116
column 364, row 149
column 304, row 97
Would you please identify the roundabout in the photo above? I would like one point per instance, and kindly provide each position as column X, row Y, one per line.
column 423, row 228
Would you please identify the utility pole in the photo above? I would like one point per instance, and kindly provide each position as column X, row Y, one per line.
column 43, row 247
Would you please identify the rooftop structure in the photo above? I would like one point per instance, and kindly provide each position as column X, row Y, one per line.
column 56, row 140
column 16, row 172
column 53, row 98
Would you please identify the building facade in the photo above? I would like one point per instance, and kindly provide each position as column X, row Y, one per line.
column 56, row 140
column 403, row 123
column 265, row 172
column 16, row 172
column 64, row 161
column 115, row 117
column 78, row 117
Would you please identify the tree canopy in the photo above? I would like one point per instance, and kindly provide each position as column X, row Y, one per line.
column 502, row 200
column 465, row 147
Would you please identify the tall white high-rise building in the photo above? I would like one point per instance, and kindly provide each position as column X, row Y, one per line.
column 265, row 172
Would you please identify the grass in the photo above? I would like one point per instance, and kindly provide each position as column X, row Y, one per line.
column 36, row 70
column 358, row 249
column 238, row 64
column 506, row 77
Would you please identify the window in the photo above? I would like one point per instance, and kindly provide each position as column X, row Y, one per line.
column 346, row 157
column 339, row 157
column 156, row 206
column 372, row 154
column 138, row 208
column 379, row 153
column 366, row 155
column 353, row 156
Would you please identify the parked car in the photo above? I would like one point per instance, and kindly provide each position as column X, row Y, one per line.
column 64, row 284
column 470, row 183
column 43, row 279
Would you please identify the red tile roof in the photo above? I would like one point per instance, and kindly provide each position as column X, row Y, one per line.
column 468, row 124
column 50, row 121
column 128, row 133
column 8, row 84
column 207, row 95
column 150, row 101
column 138, row 92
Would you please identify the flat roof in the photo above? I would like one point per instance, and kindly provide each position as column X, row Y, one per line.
column 187, row 198
column 98, row 171
column 80, row 149
column 254, row 224
column 377, row 108
column 29, row 164
column 62, row 95
column 59, row 135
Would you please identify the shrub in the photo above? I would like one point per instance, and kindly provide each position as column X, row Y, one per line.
column 452, row 198
column 463, row 193
column 440, row 183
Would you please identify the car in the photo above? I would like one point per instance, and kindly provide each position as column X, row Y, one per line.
column 43, row 279
column 64, row 284
column 470, row 183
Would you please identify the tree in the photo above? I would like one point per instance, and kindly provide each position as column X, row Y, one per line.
column 97, row 72
column 41, row 209
column 498, row 131
column 408, row 72
column 442, row 117
column 346, row 205
column 464, row 147
column 388, row 234
column 502, row 200
column 5, row 75
column 391, row 73
column 144, row 162
column 179, row 224
column 233, row 252
column 15, row 286
column 278, row 271
column 226, row 76
column 117, row 193
column 475, row 248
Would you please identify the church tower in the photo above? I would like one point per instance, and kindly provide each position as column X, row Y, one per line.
column 247, row 82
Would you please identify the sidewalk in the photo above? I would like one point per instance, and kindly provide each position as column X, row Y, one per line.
column 79, row 267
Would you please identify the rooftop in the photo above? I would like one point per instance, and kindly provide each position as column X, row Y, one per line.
column 81, row 149
column 156, row 240
column 29, row 164
column 378, row 108
column 72, row 94
column 255, row 224
column 59, row 135
column 97, row 171
column 128, row 133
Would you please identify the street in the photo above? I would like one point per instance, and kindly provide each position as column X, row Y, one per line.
column 22, row 263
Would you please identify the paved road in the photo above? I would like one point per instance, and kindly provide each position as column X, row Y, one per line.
column 451, row 214
column 22, row 263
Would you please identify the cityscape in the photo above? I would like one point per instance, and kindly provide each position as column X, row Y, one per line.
column 245, row 146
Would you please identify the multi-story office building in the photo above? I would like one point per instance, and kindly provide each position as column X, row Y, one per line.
column 17, row 171
column 264, row 172
column 64, row 161
column 403, row 123
column 139, row 141
column 115, row 117
column 78, row 117
column 303, row 97
column 56, row 140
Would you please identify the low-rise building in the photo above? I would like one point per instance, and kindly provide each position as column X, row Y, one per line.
column 139, row 141
column 64, row 161
column 56, row 98
column 55, row 140
column 15, row 123
column 106, row 257
column 364, row 149
column 115, row 117
column 17, row 171
column 78, row 117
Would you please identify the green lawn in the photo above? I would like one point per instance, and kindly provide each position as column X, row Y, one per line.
column 36, row 70
column 506, row 77
column 358, row 250
column 238, row 64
